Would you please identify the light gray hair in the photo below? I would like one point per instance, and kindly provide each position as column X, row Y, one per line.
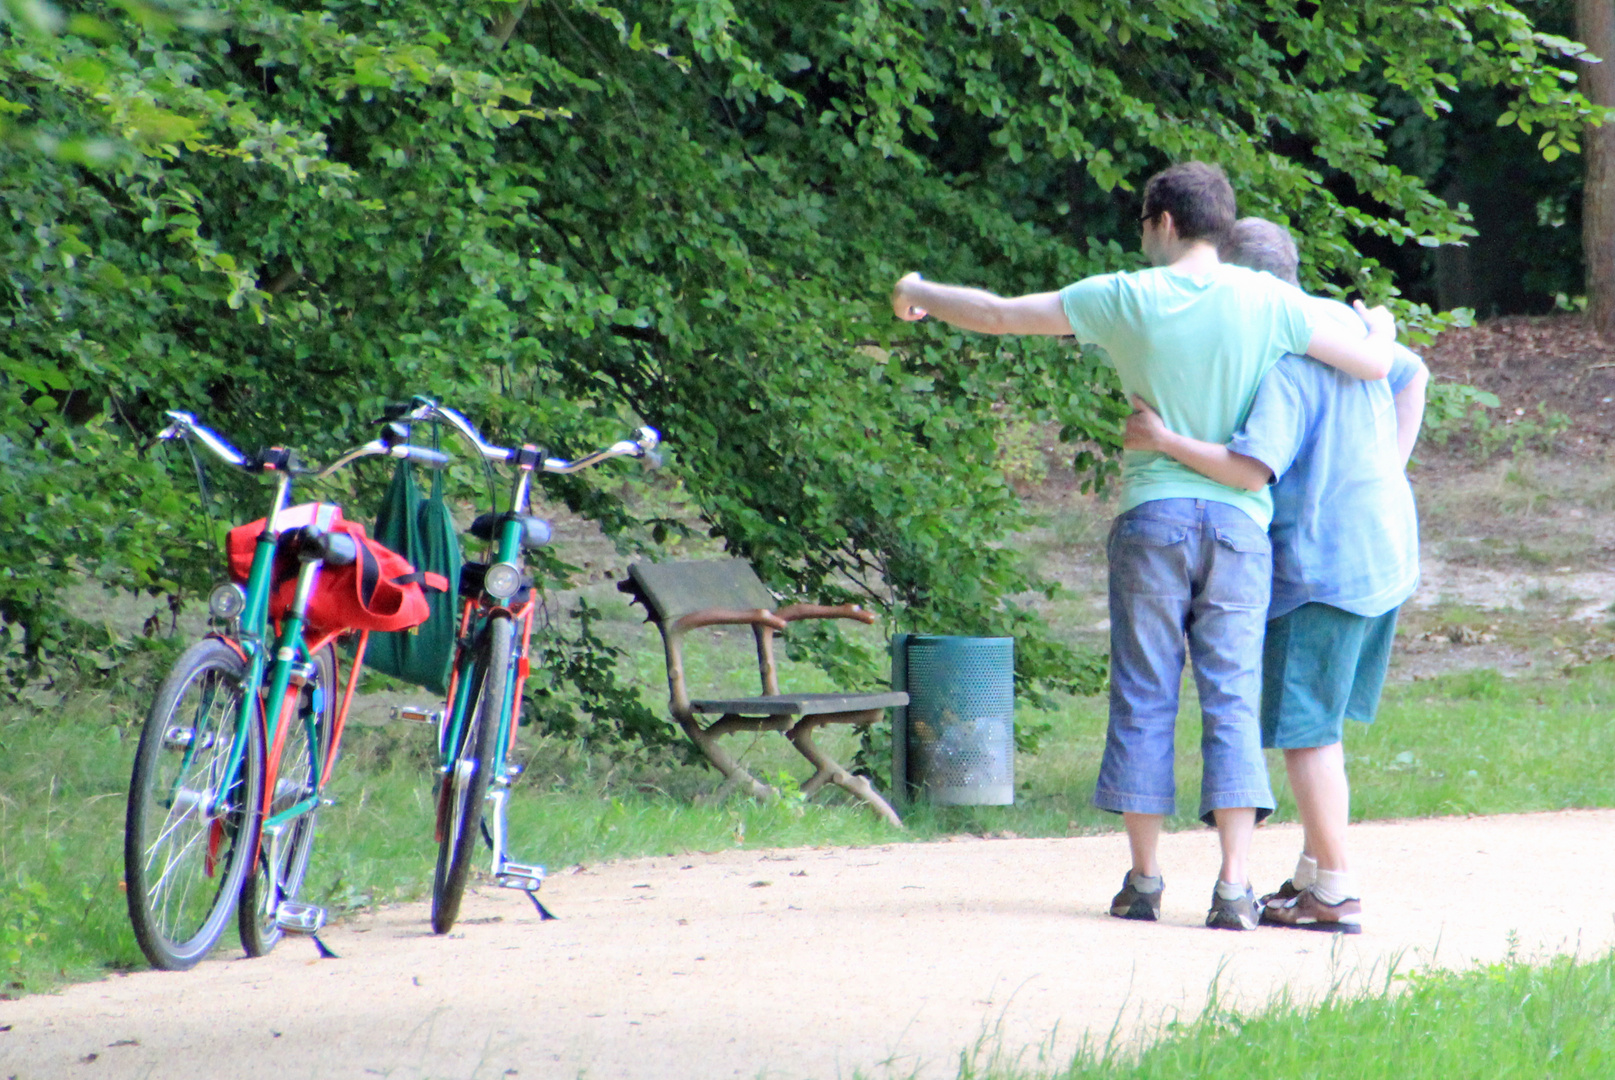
column 1262, row 245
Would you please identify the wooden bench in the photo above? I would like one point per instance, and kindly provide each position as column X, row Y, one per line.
column 684, row 596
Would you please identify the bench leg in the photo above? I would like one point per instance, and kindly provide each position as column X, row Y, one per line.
column 827, row 770
column 735, row 774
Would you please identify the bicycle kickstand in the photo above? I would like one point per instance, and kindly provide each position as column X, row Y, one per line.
column 528, row 878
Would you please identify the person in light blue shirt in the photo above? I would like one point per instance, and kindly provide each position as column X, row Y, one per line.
column 1345, row 557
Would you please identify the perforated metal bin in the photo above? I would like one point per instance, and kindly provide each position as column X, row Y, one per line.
column 955, row 742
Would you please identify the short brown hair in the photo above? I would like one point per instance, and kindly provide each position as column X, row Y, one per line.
column 1197, row 195
column 1262, row 245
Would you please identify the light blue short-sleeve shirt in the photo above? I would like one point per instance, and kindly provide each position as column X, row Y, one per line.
column 1195, row 348
column 1345, row 531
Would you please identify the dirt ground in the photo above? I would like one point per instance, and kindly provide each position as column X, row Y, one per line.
column 821, row 963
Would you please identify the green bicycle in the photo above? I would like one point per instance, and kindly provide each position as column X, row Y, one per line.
column 477, row 725
column 244, row 731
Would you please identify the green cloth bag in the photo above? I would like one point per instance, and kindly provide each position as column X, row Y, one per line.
column 421, row 530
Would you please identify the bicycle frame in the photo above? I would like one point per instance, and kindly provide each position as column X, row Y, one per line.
column 475, row 620
column 486, row 613
column 279, row 660
column 290, row 652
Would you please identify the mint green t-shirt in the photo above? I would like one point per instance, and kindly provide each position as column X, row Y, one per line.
column 1196, row 349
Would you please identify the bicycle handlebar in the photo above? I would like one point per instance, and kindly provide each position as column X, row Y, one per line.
column 184, row 425
column 642, row 445
column 379, row 448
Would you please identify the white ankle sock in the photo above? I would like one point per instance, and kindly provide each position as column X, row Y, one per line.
column 1333, row 886
column 1229, row 891
column 1306, row 871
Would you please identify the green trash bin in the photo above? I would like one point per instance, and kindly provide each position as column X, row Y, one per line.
column 954, row 743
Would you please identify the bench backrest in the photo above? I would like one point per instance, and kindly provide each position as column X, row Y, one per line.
column 672, row 590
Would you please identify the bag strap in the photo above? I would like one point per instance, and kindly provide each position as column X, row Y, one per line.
column 437, row 474
column 425, row 579
column 369, row 574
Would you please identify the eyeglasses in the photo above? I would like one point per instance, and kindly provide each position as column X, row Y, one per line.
column 1145, row 219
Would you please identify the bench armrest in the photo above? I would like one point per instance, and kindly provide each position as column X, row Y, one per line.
column 792, row 612
column 728, row 617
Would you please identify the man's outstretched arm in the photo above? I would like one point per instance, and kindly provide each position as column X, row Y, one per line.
column 1145, row 431
column 913, row 298
column 1348, row 350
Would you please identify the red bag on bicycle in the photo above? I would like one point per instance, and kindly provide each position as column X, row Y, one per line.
column 379, row 590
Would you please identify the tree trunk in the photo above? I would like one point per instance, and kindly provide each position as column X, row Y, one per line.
column 1595, row 25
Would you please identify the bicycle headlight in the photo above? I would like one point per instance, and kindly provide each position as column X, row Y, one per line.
column 227, row 601
column 502, row 580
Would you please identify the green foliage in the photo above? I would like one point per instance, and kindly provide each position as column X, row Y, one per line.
column 563, row 217
column 1450, row 408
column 1457, row 411
column 577, row 674
column 22, row 927
column 1519, row 433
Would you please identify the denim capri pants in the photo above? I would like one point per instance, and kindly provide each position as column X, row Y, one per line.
column 1189, row 573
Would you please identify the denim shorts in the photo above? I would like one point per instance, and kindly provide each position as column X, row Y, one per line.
column 1186, row 575
column 1320, row 666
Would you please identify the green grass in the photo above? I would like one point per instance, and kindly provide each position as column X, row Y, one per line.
column 1468, row 743
column 1509, row 1021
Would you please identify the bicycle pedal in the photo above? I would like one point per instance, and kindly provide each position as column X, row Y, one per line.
column 519, row 876
column 416, row 714
column 296, row 917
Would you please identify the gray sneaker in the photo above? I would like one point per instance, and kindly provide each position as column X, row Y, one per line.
column 1132, row 904
column 1240, row 914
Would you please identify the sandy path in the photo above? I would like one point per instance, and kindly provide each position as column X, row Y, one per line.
column 814, row 962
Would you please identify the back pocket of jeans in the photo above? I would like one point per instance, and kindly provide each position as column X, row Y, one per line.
column 1250, row 540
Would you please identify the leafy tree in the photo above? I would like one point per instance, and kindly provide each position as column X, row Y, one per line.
column 559, row 215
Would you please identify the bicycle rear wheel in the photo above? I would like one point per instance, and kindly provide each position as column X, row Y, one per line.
column 282, row 861
column 465, row 785
column 191, row 819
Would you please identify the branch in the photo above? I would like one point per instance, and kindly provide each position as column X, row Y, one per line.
column 506, row 28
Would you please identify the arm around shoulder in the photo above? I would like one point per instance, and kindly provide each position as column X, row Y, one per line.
column 1364, row 357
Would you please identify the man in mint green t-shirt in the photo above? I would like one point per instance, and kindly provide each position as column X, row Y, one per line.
column 1189, row 558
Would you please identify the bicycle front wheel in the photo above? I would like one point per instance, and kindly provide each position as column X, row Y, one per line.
column 192, row 818
column 465, row 785
column 284, row 850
